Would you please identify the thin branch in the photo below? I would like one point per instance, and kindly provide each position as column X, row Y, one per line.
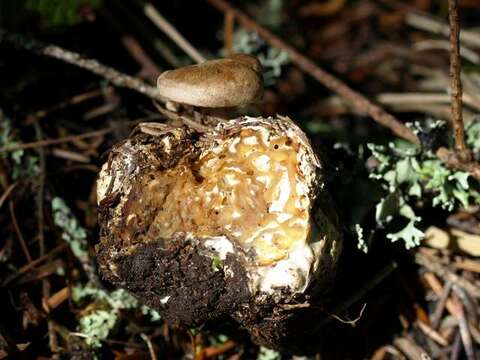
column 197, row 126
column 115, row 77
column 24, row 269
column 7, row 193
column 172, row 33
column 328, row 80
column 465, row 52
column 369, row 285
column 149, row 69
column 151, row 349
column 419, row 98
column 466, row 337
column 65, row 139
column 52, row 337
column 228, row 26
column 74, row 100
column 425, row 22
column 20, row 237
column 455, row 161
column 214, row 351
column 456, row 81
column 431, row 264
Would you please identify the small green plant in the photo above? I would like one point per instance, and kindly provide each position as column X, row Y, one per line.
column 407, row 174
column 96, row 324
column 217, row 263
column 23, row 165
column 73, row 233
column 472, row 131
column 270, row 13
column 272, row 59
column 268, row 354
column 60, row 12
column 218, row 339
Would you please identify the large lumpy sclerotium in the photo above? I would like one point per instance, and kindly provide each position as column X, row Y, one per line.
column 248, row 187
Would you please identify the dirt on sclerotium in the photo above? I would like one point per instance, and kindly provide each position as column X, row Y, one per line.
column 196, row 291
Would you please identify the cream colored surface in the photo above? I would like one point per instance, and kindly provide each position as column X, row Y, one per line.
column 249, row 193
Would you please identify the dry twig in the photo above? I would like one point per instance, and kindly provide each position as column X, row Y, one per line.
column 149, row 70
column 459, row 313
column 436, row 267
column 62, row 140
column 115, row 77
column 172, row 33
column 213, row 351
column 16, row 227
column 52, row 337
column 432, row 334
column 325, row 8
column 228, row 26
column 455, row 308
column 24, row 269
column 151, row 349
column 427, row 23
column 456, row 82
column 6, row 193
column 437, row 314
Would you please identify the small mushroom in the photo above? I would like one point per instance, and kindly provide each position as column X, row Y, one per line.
column 228, row 82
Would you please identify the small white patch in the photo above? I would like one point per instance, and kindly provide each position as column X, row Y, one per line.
column 228, row 272
column 167, row 144
column 113, row 268
column 262, row 163
column 211, row 162
column 267, row 237
column 283, row 194
column 165, row 299
column 292, row 272
column 232, row 147
column 221, row 245
column 231, row 179
column 251, row 140
column 282, row 217
column 264, row 179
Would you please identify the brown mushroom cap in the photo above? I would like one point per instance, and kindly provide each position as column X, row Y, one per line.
column 228, row 82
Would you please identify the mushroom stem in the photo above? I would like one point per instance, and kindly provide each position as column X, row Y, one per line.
column 195, row 125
